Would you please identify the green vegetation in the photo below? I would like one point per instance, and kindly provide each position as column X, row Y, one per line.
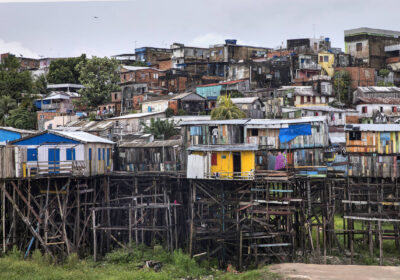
column 161, row 129
column 16, row 85
column 226, row 110
column 342, row 84
column 100, row 77
column 169, row 112
column 64, row 70
column 127, row 263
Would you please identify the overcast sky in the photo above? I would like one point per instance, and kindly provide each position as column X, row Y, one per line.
column 54, row 28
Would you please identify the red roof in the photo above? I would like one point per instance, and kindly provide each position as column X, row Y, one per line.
column 224, row 83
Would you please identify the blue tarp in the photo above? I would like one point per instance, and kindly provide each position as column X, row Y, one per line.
column 287, row 134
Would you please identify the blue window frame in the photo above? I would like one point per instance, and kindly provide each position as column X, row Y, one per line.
column 32, row 154
column 90, row 153
column 99, row 153
column 104, row 153
column 108, row 157
column 71, row 154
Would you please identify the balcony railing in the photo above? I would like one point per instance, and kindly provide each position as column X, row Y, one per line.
column 34, row 168
column 51, row 106
column 308, row 66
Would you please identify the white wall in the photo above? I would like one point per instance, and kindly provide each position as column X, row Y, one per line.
column 387, row 109
column 195, row 166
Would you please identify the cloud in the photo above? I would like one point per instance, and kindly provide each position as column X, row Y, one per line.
column 212, row 38
column 54, row 1
column 17, row 49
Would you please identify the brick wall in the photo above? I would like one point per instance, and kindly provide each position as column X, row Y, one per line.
column 360, row 76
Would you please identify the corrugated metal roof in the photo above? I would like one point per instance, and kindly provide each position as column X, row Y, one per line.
column 81, row 136
column 65, row 86
column 183, row 95
column 137, row 68
column 327, row 109
column 378, row 100
column 215, row 122
column 135, row 116
column 378, row 89
column 266, row 122
column 154, row 144
column 24, row 131
column 244, row 100
column 373, row 127
column 223, row 83
column 222, row 148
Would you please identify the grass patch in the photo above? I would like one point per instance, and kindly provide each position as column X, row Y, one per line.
column 119, row 264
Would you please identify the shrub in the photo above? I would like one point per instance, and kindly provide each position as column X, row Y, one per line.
column 169, row 112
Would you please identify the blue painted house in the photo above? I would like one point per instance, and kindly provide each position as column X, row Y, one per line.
column 59, row 152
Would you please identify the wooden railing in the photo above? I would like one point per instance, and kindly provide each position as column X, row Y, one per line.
column 34, row 168
column 246, row 175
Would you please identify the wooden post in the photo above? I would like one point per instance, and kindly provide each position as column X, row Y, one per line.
column 94, row 235
column 192, row 201
column 241, row 250
column 3, row 216
column 130, row 224
column 380, row 243
column 324, row 234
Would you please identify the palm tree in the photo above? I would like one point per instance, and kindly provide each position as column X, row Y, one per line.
column 7, row 103
column 160, row 129
column 226, row 110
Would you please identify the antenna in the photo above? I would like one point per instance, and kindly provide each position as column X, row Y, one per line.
column 314, row 29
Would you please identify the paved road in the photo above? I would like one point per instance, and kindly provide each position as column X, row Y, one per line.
column 300, row 271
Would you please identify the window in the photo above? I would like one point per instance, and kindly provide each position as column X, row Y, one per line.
column 254, row 132
column 41, row 117
column 70, row 154
column 214, row 159
column 381, row 109
column 364, row 109
column 340, row 116
column 104, row 153
column 321, row 58
column 90, row 153
column 115, row 96
column 316, row 113
column 355, row 135
column 313, row 100
column 326, row 58
column 308, row 99
column 32, row 154
column 394, row 109
column 359, row 47
column 301, row 99
column 172, row 82
column 108, row 156
column 98, row 153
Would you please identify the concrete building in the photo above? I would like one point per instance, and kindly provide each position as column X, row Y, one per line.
column 369, row 44
column 252, row 106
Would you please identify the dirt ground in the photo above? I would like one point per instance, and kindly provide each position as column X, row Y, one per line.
column 300, row 271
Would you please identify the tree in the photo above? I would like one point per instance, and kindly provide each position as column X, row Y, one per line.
column 226, row 110
column 161, row 129
column 7, row 103
column 23, row 117
column 342, row 84
column 40, row 85
column 13, row 82
column 100, row 77
column 63, row 70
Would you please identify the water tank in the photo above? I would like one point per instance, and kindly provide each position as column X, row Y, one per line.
column 326, row 39
column 230, row 41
